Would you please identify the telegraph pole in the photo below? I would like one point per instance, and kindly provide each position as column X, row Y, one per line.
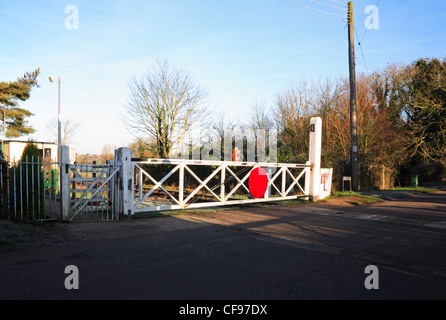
column 354, row 133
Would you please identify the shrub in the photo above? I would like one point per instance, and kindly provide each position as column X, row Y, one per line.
column 430, row 172
column 4, row 203
column 30, row 184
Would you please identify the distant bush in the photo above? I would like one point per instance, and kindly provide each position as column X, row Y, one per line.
column 430, row 172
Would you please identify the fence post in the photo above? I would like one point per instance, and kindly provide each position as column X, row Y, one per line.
column 222, row 184
column 123, row 158
column 315, row 157
column 181, row 185
column 65, row 183
column 268, row 189
column 307, row 180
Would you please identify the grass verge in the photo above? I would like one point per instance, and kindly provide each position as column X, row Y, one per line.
column 414, row 189
column 360, row 199
column 161, row 214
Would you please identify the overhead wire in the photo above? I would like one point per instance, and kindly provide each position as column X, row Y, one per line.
column 362, row 52
column 341, row 2
column 336, row 17
column 321, row 11
column 316, row 14
column 327, row 5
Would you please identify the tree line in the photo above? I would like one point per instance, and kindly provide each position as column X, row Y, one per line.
column 401, row 118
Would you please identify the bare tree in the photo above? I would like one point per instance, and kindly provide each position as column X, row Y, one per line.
column 108, row 152
column 220, row 126
column 165, row 104
column 292, row 111
column 259, row 117
column 218, row 131
column 69, row 127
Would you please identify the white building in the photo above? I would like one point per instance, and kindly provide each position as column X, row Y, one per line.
column 13, row 150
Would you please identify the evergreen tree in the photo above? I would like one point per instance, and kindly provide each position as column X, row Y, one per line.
column 30, row 184
column 10, row 95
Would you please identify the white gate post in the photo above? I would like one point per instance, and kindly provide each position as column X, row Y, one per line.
column 181, row 185
column 123, row 158
column 268, row 190
column 315, row 157
column 64, row 191
column 307, row 180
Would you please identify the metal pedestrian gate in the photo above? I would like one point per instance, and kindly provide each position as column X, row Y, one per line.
column 90, row 192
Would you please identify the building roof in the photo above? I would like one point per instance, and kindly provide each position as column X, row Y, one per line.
column 22, row 141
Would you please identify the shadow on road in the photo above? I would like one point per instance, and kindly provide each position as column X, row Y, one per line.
column 314, row 251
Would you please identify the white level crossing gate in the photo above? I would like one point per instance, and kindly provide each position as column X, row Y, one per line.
column 212, row 183
column 174, row 184
column 126, row 186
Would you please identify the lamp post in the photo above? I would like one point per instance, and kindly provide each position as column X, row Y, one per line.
column 59, row 135
column 58, row 139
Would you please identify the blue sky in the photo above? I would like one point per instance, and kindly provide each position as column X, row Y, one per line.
column 238, row 50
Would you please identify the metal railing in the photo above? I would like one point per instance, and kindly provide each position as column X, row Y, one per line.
column 29, row 190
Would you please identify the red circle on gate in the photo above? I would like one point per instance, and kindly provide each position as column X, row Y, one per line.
column 258, row 183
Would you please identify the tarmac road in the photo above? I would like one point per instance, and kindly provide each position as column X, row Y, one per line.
column 314, row 251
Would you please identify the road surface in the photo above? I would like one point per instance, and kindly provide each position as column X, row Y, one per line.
column 276, row 252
